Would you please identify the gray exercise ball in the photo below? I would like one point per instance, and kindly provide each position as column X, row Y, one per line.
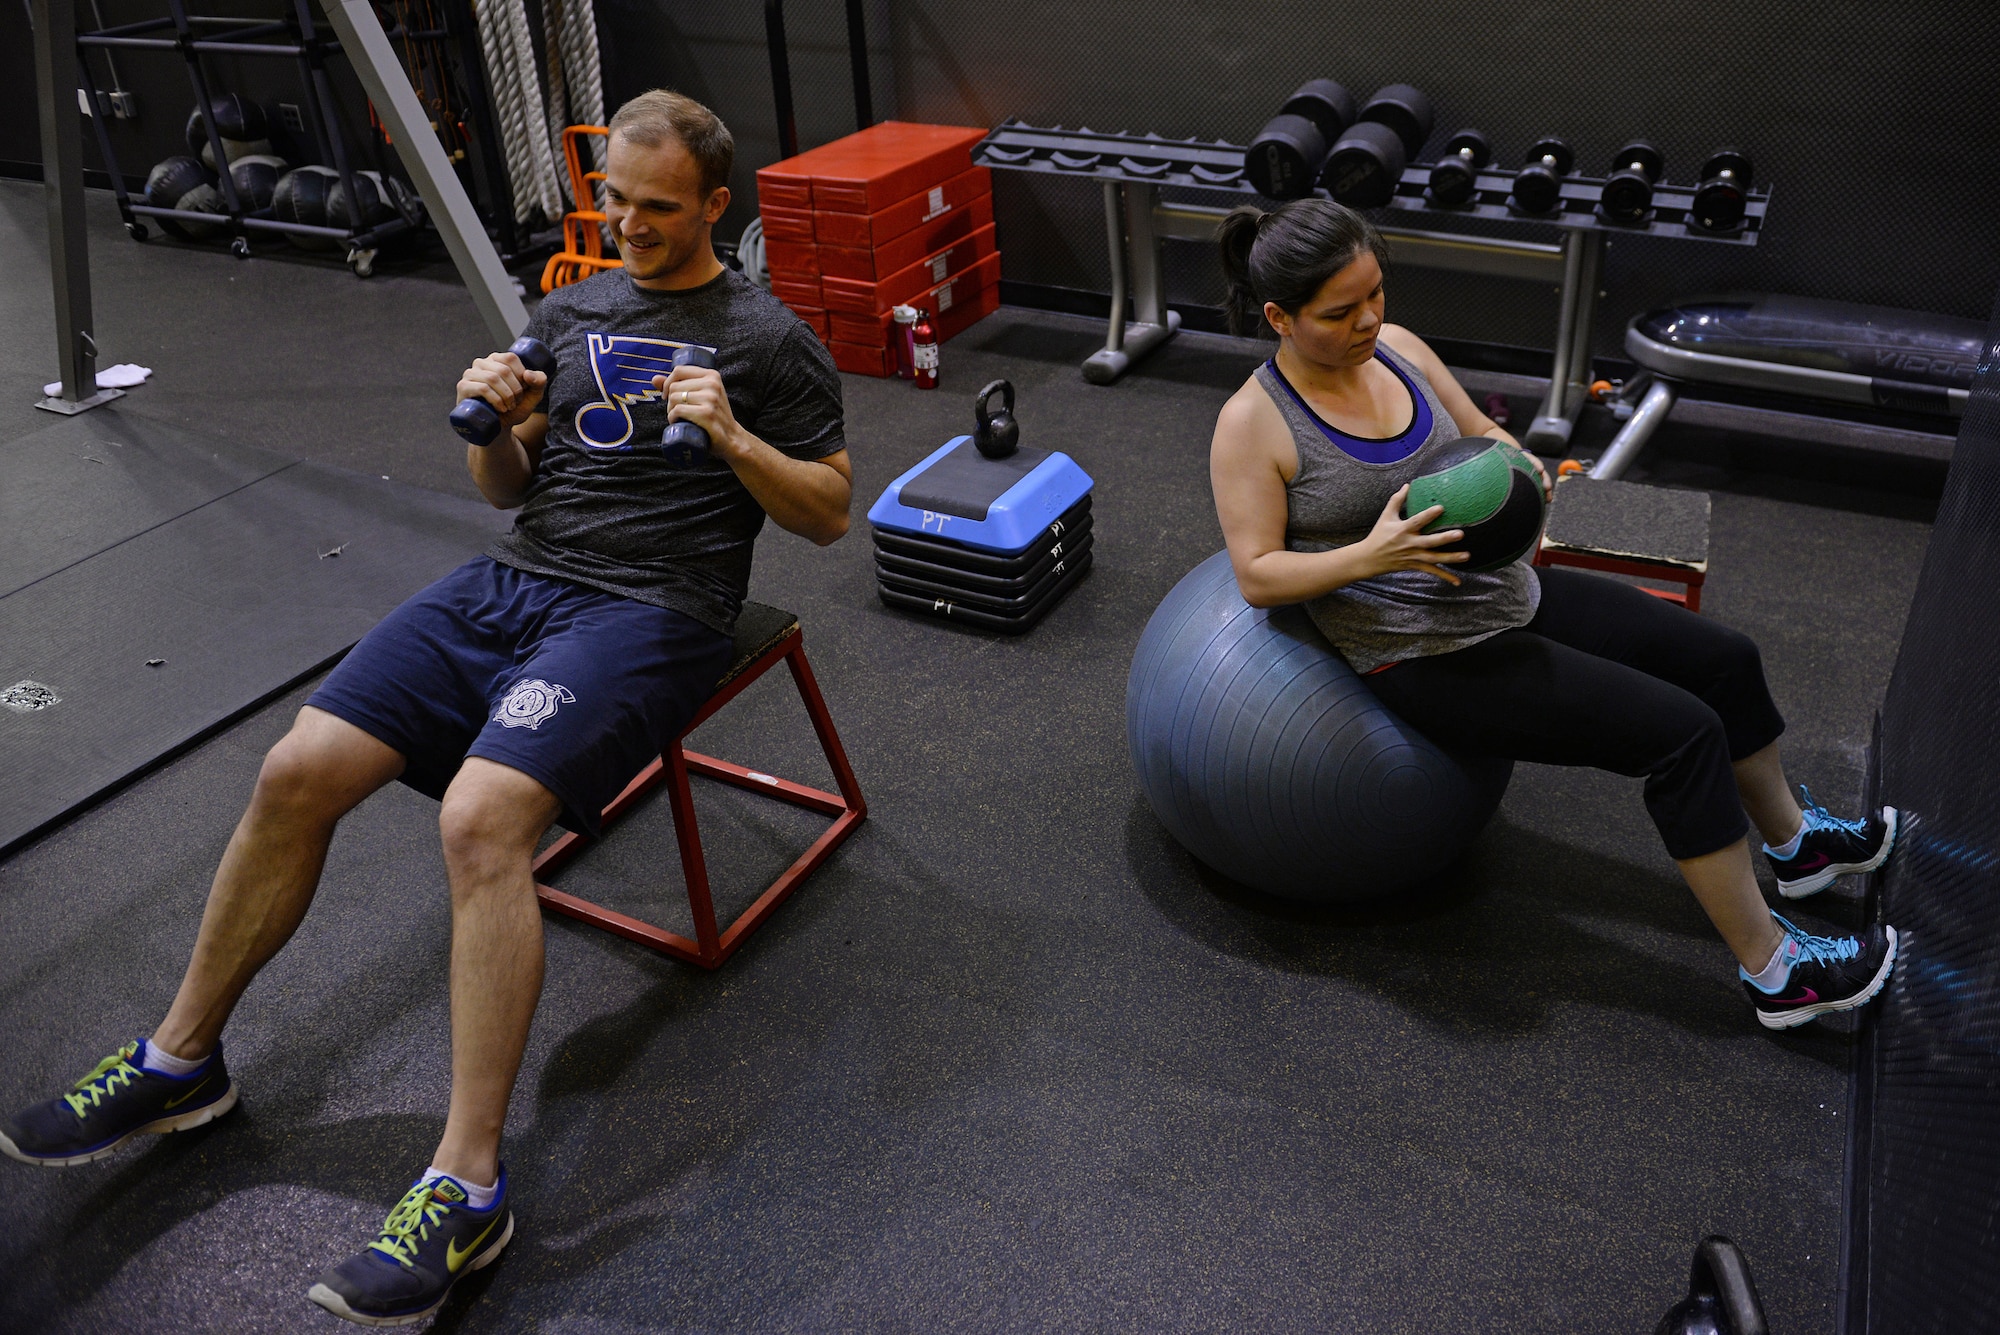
column 1268, row 757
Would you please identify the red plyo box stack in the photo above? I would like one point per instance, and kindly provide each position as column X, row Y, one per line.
column 895, row 214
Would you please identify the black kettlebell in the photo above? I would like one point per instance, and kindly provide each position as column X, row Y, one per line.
column 475, row 419
column 1721, row 1299
column 683, row 443
column 998, row 434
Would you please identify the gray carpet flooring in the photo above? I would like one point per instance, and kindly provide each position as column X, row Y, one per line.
column 1012, row 1060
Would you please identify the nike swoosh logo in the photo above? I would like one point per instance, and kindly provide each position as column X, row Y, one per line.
column 1808, row 999
column 454, row 1258
column 175, row 1103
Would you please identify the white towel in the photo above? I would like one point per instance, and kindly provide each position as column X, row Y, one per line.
column 122, row 376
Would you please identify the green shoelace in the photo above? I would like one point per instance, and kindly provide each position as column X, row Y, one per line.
column 113, row 1073
column 410, row 1223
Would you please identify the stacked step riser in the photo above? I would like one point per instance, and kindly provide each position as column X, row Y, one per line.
column 895, row 214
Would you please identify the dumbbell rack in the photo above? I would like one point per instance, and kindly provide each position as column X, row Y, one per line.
column 294, row 36
column 1133, row 168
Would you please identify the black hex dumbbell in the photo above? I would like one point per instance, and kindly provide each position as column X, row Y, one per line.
column 1284, row 159
column 1723, row 197
column 1366, row 164
column 1455, row 178
column 475, row 419
column 1538, row 185
column 1627, row 197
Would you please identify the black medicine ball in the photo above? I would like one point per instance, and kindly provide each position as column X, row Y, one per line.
column 300, row 197
column 256, row 179
column 375, row 209
column 183, row 183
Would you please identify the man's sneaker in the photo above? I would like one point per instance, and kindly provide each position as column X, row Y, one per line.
column 431, row 1240
column 1830, row 847
column 115, row 1102
column 1829, row 973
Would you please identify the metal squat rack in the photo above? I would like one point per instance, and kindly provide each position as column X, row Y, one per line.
column 1133, row 168
column 294, row 36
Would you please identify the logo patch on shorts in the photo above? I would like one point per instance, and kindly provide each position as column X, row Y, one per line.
column 531, row 703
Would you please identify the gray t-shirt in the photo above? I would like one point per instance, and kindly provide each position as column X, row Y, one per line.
column 631, row 523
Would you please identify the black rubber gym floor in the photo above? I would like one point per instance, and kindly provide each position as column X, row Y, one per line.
column 1011, row 1061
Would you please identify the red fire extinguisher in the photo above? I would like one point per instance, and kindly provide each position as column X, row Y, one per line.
column 925, row 350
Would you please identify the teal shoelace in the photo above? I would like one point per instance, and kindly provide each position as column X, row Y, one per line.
column 1820, row 949
column 1819, row 817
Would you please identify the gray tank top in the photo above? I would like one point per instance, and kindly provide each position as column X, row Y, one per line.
column 1334, row 500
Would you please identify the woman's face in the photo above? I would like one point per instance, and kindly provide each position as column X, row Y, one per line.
column 1338, row 326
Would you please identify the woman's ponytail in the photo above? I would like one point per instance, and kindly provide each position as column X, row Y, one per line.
column 1237, row 235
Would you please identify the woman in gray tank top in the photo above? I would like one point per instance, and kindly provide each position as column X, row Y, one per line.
column 1311, row 463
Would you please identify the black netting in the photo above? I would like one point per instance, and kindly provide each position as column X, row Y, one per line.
column 1925, row 1240
column 1874, row 122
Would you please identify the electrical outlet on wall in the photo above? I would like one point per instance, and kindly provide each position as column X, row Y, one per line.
column 288, row 113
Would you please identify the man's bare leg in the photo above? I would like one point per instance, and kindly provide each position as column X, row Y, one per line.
column 317, row 773
column 492, row 818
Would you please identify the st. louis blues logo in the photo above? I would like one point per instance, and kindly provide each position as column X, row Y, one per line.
column 531, row 704
column 624, row 366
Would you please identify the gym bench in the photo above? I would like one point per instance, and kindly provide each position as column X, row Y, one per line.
column 765, row 637
column 1623, row 528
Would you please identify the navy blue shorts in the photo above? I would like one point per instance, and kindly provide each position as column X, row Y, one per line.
column 576, row 688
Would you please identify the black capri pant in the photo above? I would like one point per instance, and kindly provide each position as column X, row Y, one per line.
column 1613, row 678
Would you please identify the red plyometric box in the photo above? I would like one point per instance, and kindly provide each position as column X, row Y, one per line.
column 814, row 317
column 797, row 290
column 873, row 168
column 866, row 231
column 907, row 249
column 785, row 185
column 862, row 298
column 791, row 256
column 861, row 359
column 787, row 224
column 972, row 296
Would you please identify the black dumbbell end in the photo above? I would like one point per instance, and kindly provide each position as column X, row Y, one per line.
column 1731, row 160
column 1365, row 167
column 1323, row 102
column 1405, row 109
column 1470, row 143
column 1284, row 159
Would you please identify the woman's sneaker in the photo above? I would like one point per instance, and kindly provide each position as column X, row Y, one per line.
column 1828, row 973
column 431, row 1240
column 117, row 1101
column 1830, row 847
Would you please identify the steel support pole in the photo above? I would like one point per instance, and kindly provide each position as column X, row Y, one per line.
column 781, row 77
column 486, row 278
column 62, row 183
column 857, row 57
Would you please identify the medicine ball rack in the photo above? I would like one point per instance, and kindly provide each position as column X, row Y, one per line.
column 1134, row 167
column 296, row 37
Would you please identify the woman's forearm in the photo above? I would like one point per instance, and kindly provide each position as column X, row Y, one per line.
column 1277, row 578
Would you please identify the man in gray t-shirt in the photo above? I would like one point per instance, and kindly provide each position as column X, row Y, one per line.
column 528, row 685
column 630, row 522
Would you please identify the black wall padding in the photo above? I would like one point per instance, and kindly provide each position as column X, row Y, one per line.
column 1924, row 1236
column 1874, row 121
